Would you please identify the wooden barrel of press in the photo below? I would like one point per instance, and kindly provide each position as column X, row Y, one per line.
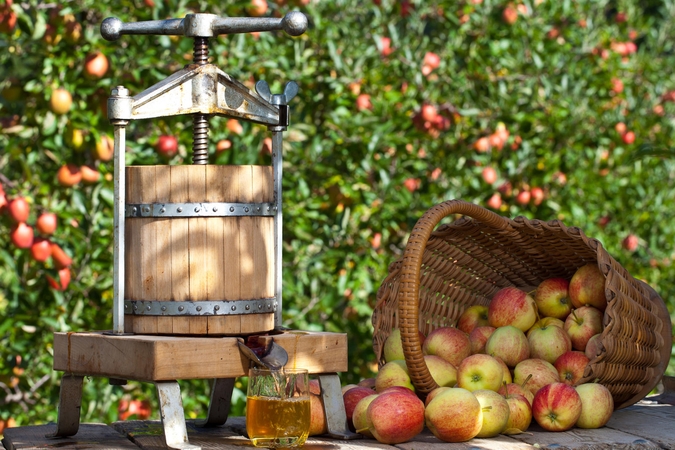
column 199, row 258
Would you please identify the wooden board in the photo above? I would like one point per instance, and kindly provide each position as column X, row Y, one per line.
column 91, row 436
column 161, row 358
column 199, row 258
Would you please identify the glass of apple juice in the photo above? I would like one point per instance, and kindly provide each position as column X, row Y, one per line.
column 277, row 407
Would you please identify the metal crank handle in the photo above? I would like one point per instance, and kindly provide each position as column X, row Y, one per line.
column 205, row 25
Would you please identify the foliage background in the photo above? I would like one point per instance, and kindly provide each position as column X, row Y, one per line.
column 360, row 166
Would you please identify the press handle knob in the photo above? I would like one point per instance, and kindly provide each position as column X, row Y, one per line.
column 205, row 25
column 290, row 91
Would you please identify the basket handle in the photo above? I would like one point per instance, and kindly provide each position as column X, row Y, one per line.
column 408, row 294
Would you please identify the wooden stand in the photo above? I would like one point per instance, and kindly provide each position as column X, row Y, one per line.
column 164, row 359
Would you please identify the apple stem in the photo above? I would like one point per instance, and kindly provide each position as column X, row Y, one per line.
column 361, row 430
column 526, row 380
column 487, row 408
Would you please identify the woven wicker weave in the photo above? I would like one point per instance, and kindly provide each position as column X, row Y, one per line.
column 443, row 271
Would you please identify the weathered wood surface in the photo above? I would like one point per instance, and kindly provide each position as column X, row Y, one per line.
column 161, row 358
column 645, row 425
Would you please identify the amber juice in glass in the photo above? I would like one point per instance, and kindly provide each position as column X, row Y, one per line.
column 277, row 407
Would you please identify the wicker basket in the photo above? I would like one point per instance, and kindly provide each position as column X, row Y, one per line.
column 464, row 263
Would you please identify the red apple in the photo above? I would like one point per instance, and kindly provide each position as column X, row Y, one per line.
column 538, row 195
column 46, row 223
column 22, row 235
column 234, row 126
column 495, row 413
column 454, row 415
column 597, row 405
column 449, row 343
column 428, row 112
column 552, row 298
column 520, row 414
column 89, row 174
column 509, row 344
column 482, row 145
column 367, row 382
column 620, row 128
column 360, row 417
column 393, row 373
column 628, row 138
column 363, row 102
column 442, row 372
column 432, row 60
column 510, row 15
column 223, row 145
column 257, row 8
column 63, row 281
column 60, row 101
column 317, row 418
column 545, row 321
column 105, row 148
column 351, row 398
column 396, row 417
column 582, row 324
column 594, row 346
column 489, row 175
column 95, row 65
column 60, row 258
column 472, row 317
column 510, row 389
column 41, row 249
column 512, row 306
column 167, row 145
column 479, row 337
column 549, row 342
column 556, row 407
column 495, row 202
column 69, row 175
column 571, row 366
column 385, row 46
column 587, row 287
column 480, row 372
column 523, row 197
column 18, row 209
column 534, row 373
column 630, row 242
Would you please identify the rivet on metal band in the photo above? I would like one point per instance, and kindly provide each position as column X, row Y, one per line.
column 199, row 209
column 199, row 308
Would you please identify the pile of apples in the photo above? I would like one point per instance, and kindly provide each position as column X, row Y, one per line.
column 517, row 359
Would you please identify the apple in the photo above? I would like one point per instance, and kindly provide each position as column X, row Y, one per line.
column 587, row 287
column 449, row 343
column 234, row 126
column 495, row 201
column 22, row 235
column 167, row 145
column 545, row 321
column 512, row 306
column 363, row 102
column 266, row 148
column 396, row 417
column 393, row 346
column 472, row 317
column 223, row 145
column 538, row 195
column 556, row 407
column 68, row 175
column 95, row 65
column 257, row 8
column 510, row 15
column 597, row 405
column 454, row 415
column 18, row 209
column 594, row 346
column 520, row 414
column 479, row 337
column 60, row 101
column 41, row 249
column 351, row 398
column 506, row 376
column 399, row 389
column 89, row 174
column 317, row 418
column 628, row 138
column 548, row 343
column 63, row 281
column 489, row 175
column 393, row 373
column 582, row 324
column 46, row 223
column 60, row 258
column 360, row 417
column 105, row 148
column 620, row 128
column 443, row 372
column 428, row 112
column 367, row 382
column 509, row 344
column 552, row 298
column 630, row 242
column 571, row 366
column 523, row 197
column 434, row 393
column 534, row 373
column 511, row 389
column 495, row 413
column 480, row 372
column 432, row 60
column 482, row 145
column 347, row 387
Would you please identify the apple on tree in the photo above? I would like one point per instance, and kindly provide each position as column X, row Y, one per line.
column 18, row 209
column 46, row 223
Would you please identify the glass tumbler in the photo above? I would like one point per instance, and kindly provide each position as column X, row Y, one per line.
column 277, row 407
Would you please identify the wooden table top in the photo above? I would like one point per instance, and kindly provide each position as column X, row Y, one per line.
column 649, row 424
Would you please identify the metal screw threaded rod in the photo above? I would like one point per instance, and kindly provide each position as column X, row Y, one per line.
column 200, row 122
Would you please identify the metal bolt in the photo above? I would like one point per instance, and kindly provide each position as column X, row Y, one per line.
column 274, row 155
column 120, row 91
column 163, row 308
column 234, row 308
column 246, row 209
column 248, row 307
column 133, row 210
column 162, row 211
column 215, row 209
column 275, row 208
column 268, row 208
column 146, row 209
column 181, row 308
column 126, row 306
column 259, row 305
column 269, row 306
column 135, row 306
column 231, row 208
column 197, row 209
column 258, row 208
column 216, row 308
column 180, row 210
column 199, row 308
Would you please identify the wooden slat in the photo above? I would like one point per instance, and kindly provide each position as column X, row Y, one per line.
column 158, row 358
column 180, row 260
column 247, row 237
column 92, row 436
column 149, row 435
column 132, row 236
column 148, row 248
column 164, row 248
column 199, row 248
